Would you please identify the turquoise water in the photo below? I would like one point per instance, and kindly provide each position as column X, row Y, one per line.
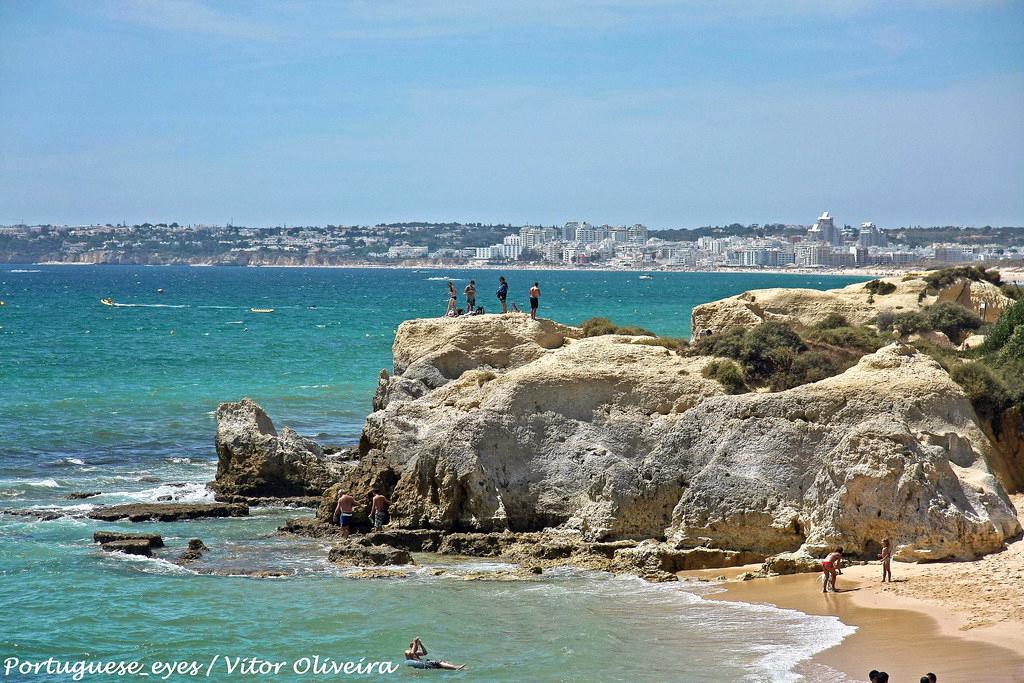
column 120, row 400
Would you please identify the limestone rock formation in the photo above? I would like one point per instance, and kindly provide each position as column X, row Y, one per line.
column 254, row 460
column 152, row 540
column 609, row 438
column 854, row 302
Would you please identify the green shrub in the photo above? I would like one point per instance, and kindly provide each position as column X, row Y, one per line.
column 728, row 374
column 880, row 287
column 949, row 318
column 855, row 339
column 832, row 321
column 947, row 276
column 987, row 393
column 596, row 327
column 674, row 344
column 1012, row 291
column 1003, row 329
column 811, row 366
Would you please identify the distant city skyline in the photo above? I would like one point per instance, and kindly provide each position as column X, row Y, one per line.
column 669, row 114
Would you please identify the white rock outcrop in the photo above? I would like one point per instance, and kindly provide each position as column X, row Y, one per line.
column 507, row 423
column 854, row 302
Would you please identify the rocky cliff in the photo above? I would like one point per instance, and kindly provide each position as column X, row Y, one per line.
column 854, row 302
column 499, row 422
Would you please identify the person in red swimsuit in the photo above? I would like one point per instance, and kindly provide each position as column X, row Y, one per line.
column 831, row 565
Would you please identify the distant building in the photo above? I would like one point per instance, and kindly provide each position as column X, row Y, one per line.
column 824, row 230
column 871, row 236
column 403, row 251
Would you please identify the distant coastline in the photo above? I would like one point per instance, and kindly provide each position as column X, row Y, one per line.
column 1013, row 274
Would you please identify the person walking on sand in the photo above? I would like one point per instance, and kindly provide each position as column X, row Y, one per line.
column 343, row 513
column 470, row 293
column 534, row 299
column 831, row 568
column 379, row 510
column 414, row 658
column 453, row 299
column 502, row 293
column 886, row 557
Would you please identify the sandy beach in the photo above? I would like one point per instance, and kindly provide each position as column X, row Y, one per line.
column 964, row 621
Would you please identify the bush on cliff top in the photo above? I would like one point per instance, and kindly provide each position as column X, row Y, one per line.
column 880, row 287
column 947, row 276
column 596, row 327
column 728, row 374
column 949, row 318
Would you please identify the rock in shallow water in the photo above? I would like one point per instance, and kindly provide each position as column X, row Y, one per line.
column 254, row 460
column 129, row 546
column 154, row 540
column 353, row 554
column 193, row 552
column 168, row 512
column 82, row 495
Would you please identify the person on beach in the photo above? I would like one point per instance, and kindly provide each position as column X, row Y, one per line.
column 414, row 658
column 932, row 678
column 379, row 510
column 470, row 293
column 343, row 513
column 886, row 557
column 453, row 299
column 502, row 293
column 873, row 675
column 882, row 677
column 831, row 568
column 534, row 299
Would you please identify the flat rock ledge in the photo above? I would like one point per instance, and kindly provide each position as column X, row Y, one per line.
column 153, row 540
column 352, row 553
column 533, row 551
column 168, row 512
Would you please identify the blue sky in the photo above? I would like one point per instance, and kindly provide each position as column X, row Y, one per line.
column 673, row 114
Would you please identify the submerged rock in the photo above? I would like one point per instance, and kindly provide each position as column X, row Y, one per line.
column 193, row 552
column 82, row 495
column 167, row 512
column 129, row 546
column 254, row 460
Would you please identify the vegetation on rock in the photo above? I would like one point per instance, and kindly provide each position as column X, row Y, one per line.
column 880, row 287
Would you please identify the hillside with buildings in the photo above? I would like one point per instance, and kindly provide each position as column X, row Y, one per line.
column 823, row 244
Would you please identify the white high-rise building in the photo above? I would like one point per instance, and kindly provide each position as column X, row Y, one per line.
column 824, row 230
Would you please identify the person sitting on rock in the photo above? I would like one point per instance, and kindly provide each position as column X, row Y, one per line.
column 343, row 513
column 831, row 566
column 379, row 510
column 414, row 658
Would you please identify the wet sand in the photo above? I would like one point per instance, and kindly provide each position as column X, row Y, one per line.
column 905, row 637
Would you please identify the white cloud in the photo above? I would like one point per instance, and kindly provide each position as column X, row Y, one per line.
column 184, row 16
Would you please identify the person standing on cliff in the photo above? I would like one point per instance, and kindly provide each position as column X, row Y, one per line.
column 453, row 299
column 470, row 293
column 379, row 510
column 534, row 299
column 343, row 513
column 502, row 293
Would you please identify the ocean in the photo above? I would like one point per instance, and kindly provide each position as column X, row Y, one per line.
column 120, row 399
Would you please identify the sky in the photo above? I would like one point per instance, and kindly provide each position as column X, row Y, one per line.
column 671, row 114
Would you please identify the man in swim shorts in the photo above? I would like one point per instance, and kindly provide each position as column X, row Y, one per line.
column 343, row 513
column 470, row 293
column 534, row 299
column 831, row 567
column 502, row 293
column 379, row 510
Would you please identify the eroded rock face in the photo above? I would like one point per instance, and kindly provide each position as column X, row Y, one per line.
column 254, row 460
column 351, row 553
column 167, row 512
column 608, row 439
column 805, row 307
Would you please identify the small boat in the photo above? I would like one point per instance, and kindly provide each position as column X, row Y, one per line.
column 261, row 310
column 646, row 277
column 107, row 302
column 160, row 290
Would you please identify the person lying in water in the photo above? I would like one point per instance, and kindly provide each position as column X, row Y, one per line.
column 414, row 658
